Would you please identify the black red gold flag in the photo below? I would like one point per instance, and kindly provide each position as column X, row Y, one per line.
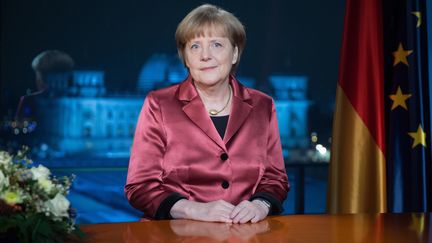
column 381, row 151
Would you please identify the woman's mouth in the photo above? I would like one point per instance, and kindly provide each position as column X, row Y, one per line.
column 208, row 68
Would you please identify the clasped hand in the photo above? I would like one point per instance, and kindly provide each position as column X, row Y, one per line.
column 220, row 211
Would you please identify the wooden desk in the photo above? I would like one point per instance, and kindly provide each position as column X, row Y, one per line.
column 296, row 228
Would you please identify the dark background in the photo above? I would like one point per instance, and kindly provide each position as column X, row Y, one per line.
column 283, row 37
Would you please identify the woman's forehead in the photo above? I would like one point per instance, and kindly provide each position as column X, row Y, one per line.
column 209, row 30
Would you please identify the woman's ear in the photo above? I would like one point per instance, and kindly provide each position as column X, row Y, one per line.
column 235, row 55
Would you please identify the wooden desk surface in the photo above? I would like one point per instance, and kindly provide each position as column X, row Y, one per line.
column 295, row 228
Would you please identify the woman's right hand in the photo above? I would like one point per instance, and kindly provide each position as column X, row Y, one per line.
column 215, row 211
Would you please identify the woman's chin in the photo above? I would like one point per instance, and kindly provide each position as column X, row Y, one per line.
column 205, row 80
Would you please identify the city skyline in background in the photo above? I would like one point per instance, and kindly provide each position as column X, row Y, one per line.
column 283, row 37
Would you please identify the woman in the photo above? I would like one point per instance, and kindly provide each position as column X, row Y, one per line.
column 208, row 148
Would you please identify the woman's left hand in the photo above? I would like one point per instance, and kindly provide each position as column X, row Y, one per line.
column 249, row 211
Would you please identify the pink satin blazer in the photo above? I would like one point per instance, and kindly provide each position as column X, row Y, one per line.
column 177, row 148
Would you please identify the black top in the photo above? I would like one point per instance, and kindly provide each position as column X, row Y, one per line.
column 220, row 122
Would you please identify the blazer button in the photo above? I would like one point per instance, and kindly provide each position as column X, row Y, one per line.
column 225, row 184
column 224, row 156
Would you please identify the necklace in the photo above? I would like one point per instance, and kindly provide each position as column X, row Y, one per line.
column 214, row 112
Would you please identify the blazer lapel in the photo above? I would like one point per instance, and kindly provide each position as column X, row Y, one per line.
column 196, row 111
column 240, row 109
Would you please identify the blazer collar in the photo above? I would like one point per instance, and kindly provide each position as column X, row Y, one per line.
column 187, row 90
column 195, row 110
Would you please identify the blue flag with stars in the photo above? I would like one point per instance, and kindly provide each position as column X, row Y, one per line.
column 408, row 120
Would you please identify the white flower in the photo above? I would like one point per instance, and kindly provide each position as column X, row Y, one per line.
column 58, row 206
column 45, row 184
column 40, row 172
column 5, row 158
column 4, row 181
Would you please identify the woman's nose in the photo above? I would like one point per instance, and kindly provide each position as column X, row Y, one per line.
column 205, row 54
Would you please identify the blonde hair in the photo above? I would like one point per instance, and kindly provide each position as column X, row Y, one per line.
column 197, row 22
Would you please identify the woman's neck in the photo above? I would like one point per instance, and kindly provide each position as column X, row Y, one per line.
column 216, row 93
column 216, row 99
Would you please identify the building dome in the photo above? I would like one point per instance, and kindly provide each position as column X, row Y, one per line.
column 161, row 70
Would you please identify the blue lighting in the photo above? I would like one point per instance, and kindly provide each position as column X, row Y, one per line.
column 159, row 71
column 88, row 131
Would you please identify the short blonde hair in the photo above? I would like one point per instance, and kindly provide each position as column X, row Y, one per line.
column 200, row 19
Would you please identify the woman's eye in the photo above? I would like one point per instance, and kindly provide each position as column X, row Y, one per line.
column 217, row 44
column 194, row 46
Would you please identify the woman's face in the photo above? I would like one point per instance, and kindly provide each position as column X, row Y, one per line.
column 210, row 57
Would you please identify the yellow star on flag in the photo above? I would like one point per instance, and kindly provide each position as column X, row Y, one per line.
column 400, row 55
column 417, row 223
column 419, row 137
column 418, row 15
column 399, row 99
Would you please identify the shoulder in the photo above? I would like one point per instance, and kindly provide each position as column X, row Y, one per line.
column 164, row 92
column 157, row 99
column 258, row 97
column 258, row 94
column 163, row 95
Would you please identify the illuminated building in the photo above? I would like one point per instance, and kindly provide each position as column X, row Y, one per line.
column 80, row 116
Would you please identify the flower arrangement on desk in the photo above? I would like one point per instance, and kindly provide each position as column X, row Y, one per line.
column 33, row 204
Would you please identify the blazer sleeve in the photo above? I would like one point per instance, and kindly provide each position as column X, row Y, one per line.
column 144, row 185
column 274, row 184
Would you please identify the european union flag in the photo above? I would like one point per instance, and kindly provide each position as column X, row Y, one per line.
column 408, row 120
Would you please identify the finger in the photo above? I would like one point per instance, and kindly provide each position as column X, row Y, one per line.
column 239, row 207
column 256, row 219
column 220, row 208
column 261, row 207
column 241, row 214
column 216, row 216
column 228, row 206
column 234, row 212
column 221, row 204
column 226, row 209
column 225, row 219
column 220, row 214
column 247, row 217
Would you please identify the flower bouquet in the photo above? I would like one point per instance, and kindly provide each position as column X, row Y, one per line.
column 33, row 204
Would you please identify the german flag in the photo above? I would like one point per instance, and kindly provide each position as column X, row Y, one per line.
column 380, row 158
column 357, row 168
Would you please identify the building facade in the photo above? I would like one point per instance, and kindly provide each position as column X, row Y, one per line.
column 80, row 116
